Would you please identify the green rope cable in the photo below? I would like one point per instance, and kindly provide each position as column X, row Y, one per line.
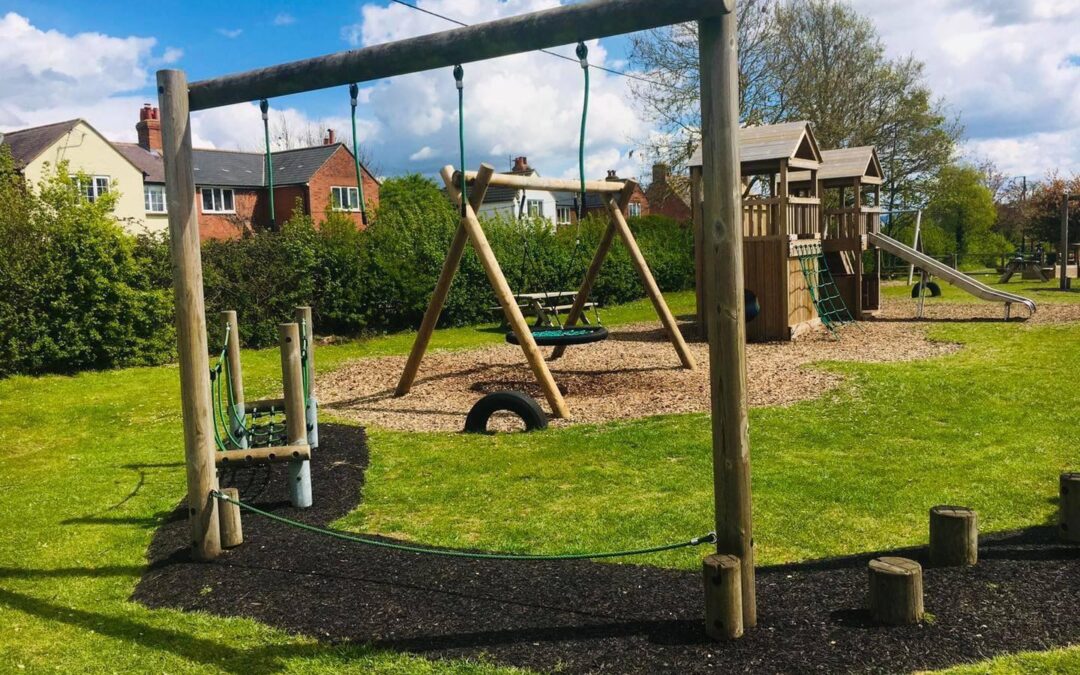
column 583, row 57
column 354, row 92
column 696, row 541
column 459, row 80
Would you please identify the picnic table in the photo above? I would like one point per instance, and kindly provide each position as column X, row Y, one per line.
column 547, row 305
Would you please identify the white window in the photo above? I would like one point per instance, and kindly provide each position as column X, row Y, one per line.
column 345, row 198
column 562, row 215
column 154, row 198
column 634, row 209
column 217, row 200
column 94, row 187
column 535, row 208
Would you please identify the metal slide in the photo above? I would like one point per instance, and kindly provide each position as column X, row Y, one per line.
column 958, row 279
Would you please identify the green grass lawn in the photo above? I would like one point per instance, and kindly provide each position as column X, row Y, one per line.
column 92, row 464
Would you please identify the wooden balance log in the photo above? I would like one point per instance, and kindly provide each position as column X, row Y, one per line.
column 232, row 531
column 723, row 596
column 954, row 536
column 896, row 591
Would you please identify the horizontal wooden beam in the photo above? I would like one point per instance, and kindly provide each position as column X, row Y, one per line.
column 541, row 183
column 280, row 453
column 513, row 35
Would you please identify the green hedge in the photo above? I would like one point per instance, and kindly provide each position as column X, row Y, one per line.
column 77, row 290
column 80, row 293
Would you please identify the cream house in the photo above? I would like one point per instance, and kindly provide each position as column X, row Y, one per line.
column 38, row 150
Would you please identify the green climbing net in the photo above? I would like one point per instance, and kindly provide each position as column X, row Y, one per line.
column 254, row 427
column 823, row 292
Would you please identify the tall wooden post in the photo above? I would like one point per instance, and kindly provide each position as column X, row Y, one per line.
column 191, row 345
column 699, row 249
column 1063, row 248
column 292, row 377
column 236, row 379
column 726, row 312
column 303, row 317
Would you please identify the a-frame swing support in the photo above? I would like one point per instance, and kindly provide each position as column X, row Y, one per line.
column 617, row 197
column 722, row 237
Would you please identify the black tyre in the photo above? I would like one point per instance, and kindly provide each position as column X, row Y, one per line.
column 931, row 287
column 522, row 405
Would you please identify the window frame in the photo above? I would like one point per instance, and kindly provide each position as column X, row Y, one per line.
column 99, row 185
column 154, row 189
column 539, row 204
column 351, row 192
column 563, row 210
column 217, row 200
column 633, row 209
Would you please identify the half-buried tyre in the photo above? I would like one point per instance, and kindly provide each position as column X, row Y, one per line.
column 521, row 405
column 932, row 289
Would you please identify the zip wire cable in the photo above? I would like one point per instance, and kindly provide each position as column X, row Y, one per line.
column 709, row 538
column 545, row 51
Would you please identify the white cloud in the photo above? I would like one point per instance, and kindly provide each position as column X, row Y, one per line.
column 230, row 33
column 1008, row 68
column 169, row 56
column 423, row 153
column 526, row 104
column 284, row 19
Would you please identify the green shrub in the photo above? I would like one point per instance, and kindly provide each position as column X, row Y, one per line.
column 76, row 294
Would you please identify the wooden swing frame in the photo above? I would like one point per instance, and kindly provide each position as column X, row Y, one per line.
column 616, row 199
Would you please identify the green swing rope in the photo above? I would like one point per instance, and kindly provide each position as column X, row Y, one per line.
column 459, row 80
column 450, row 553
column 354, row 92
column 583, row 57
column 264, row 106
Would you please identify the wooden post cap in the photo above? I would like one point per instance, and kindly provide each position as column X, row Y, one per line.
column 723, row 596
column 1069, row 507
column 954, row 536
column 896, row 591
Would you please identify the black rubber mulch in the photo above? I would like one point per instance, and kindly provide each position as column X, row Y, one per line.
column 597, row 617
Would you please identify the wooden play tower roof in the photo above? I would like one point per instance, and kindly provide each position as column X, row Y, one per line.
column 844, row 165
column 763, row 148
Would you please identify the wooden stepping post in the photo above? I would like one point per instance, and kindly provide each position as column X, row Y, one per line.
column 232, row 533
column 896, row 591
column 1069, row 507
column 723, row 596
column 954, row 536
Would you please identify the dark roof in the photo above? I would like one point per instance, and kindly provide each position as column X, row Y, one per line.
column 497, row 194
column 569, row 200
column 27, row 144
column 232, row 168
column 148, row 161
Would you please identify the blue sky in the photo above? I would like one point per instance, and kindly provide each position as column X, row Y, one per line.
column 1010, row 71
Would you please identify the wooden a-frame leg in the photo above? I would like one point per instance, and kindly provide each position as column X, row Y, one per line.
column 509, row 305
column 442, row 287
column 666, row 317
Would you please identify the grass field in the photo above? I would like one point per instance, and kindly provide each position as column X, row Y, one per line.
column 92, row 464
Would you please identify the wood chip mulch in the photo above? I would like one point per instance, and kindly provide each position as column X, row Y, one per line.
column 633, row 374
column 584, row 617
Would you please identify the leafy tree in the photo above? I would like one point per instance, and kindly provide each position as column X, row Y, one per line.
column 817, row 60
column 963, row 208
column 1045, row 208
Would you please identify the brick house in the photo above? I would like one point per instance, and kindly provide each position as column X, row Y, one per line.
column 232, row 190
column 668, row 194
column 566, row 203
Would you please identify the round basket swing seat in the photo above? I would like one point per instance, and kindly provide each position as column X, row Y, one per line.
column 554, row 336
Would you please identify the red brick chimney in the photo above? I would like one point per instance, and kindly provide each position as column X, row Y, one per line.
column 149, row 128
column 659, row 172
column 330, row 138
column 521, row 165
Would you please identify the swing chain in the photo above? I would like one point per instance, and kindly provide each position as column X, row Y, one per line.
column 583, row 57
column 459, row 80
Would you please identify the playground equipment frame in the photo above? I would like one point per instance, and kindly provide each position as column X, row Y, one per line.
column 722, row 236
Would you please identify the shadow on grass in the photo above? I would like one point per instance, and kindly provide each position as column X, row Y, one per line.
column 199, row 650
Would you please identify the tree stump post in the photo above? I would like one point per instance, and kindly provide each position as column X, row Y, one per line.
column 723, row 596
column 232, row 533
column 896, row 591
column 1069, row 507
column 954, row 536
